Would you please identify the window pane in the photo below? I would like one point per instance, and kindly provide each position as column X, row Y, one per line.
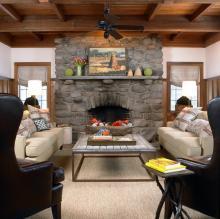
column 41, row 99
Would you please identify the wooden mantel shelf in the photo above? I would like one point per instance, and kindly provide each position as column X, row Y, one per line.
column 109, row 78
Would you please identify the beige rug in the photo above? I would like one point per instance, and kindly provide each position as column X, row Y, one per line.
column 108, row 200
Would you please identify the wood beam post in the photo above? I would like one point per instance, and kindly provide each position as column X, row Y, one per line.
column 211, row 38
column 58, row 11
column 199, row 12
column 153, row 11
column 8, row 9
column 37, row 36
column 174, row 36
column 89, row 23
column 6, row 38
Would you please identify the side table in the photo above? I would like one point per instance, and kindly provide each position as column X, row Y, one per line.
column 171, row 192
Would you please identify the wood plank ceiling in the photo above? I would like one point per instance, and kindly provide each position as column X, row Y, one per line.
column 36, row 23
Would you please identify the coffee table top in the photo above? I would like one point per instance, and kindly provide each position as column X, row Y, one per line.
column 142, row 146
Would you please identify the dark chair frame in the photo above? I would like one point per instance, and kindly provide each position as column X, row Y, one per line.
column 25, row 189
column 202, row 190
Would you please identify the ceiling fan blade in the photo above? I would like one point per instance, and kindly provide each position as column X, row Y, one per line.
column 115, row 34
column 129, row 27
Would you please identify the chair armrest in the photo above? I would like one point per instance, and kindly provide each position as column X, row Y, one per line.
column 37, row 181
column 170, row 124
column 20, row 146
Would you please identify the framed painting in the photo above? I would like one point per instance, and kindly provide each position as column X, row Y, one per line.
column 107, row 61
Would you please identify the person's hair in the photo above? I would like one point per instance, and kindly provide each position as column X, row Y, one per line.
column 184, row 101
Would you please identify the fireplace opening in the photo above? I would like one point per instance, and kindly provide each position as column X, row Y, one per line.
column 109, row 114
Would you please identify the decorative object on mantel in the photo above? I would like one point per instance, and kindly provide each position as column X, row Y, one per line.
column 138, row 72
column 107, row 61
column 148, row 71
column 130, row 73
column 69, row 72
column 79, row 62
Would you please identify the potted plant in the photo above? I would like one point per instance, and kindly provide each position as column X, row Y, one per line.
column 79, row 62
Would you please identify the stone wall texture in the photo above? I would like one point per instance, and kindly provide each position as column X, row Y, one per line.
column 73, row 98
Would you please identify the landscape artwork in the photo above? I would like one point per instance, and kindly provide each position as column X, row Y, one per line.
column 107, row 61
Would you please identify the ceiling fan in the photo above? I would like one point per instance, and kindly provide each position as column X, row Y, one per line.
column 110, row 28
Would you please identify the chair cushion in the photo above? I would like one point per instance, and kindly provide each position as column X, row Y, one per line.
column 162, row 131
column 38, row 145
column 58, row 133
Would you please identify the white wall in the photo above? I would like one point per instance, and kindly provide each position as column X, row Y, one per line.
column 213, row 60
column 178, row 54
column 5, row 61
column 33, row 55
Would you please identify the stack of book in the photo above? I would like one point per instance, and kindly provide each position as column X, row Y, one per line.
column 165, row 165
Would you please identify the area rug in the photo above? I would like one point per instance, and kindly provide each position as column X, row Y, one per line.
column 108, row 200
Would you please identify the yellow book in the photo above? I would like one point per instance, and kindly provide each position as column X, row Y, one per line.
column 180, row 168
column 165, row 165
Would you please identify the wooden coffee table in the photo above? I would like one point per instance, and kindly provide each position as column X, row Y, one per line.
column 142, row 147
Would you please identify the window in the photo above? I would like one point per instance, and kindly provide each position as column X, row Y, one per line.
column 27, row 71
column 23, row 94
column 179, row 74
column 176, row 93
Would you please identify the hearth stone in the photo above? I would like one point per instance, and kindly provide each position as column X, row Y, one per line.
column 143, row 98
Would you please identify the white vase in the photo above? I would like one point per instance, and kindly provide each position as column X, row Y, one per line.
column 138, row 72
column 130, row 73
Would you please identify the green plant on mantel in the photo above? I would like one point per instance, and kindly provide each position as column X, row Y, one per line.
column 79, row 62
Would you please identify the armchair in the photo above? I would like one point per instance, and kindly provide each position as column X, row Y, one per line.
column 26, row 187
column 202, row 190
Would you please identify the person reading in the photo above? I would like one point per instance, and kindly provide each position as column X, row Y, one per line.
column 33, row 101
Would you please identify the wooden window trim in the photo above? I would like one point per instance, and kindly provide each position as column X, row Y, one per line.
column 44, row 64
column 202, row 85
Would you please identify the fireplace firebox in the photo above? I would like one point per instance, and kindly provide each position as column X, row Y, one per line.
column 109, row 114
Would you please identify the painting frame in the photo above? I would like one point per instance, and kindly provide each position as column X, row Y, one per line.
column 107, row 61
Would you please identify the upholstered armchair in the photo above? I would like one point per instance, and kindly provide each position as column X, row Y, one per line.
column 202, row 190
column 26, row 187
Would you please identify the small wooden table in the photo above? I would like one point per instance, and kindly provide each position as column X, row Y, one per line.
column 142, row 146
column 172, row 191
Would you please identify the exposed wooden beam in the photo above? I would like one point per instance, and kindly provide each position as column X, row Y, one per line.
column 89, row 23
column 6, row 38
column 58, row 11
column 199, row 12
column 154, row 8
column 8, row 9
column 37, row 36
column 211, row 38
column 175, row 36
column 131, row 2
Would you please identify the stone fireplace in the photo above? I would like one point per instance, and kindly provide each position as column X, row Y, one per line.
column 109, row 113
column 138, row 98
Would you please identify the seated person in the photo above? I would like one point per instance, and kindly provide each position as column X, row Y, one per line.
column 33, row 101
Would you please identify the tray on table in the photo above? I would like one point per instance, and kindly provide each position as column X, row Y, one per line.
column 116, row 140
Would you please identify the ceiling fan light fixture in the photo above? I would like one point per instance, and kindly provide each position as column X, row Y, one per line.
column 106, row 34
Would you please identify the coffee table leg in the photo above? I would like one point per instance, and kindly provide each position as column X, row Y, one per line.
column 73, row 175
column 78, row 167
